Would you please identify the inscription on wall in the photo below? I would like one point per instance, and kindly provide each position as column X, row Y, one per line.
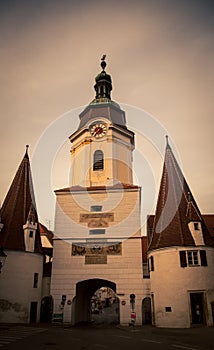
column 97, row 219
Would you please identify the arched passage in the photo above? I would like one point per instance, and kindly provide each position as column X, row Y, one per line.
column 84, row 293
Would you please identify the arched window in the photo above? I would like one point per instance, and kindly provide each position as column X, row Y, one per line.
column 98, row 160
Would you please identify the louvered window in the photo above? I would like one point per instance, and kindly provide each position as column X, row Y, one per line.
column 98, row 160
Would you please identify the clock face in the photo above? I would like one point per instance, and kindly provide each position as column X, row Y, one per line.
column 98, row 130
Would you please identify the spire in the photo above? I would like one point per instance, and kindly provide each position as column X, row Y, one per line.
column 16, row 208
column 175, row 208
column 103, row 84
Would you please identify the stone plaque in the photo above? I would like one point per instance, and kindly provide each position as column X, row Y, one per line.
column 95, row 259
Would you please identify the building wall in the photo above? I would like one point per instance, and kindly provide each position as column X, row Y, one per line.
column 17, row 292
column 172, row 284
column 124, row 270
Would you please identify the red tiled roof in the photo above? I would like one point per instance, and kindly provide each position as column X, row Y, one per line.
column 92, row 188
column 18, row 204
column 175, row 208
column 45, row 232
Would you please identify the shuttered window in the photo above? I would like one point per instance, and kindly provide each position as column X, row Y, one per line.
column 191, row 258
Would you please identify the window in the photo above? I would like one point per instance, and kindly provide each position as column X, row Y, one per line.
column 31, row 234
column 96, row 208
column 35, row 280
column 193, row 258
column 98, row 160
column 146, row 270
column 196, row 226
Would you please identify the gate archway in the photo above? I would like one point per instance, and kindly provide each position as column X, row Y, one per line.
column 84, row 292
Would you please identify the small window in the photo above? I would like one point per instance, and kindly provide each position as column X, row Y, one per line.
column 96, row 208
column 168, row 309
column 192, row 257
column 98, row 160
column 146, row 270
column 35, row 280
column 196, row 226
column 31, row 234
column 98, row 231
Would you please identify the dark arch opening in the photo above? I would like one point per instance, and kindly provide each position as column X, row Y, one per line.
column 85, row 290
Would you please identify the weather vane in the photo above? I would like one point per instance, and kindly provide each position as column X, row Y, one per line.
column 103, row 63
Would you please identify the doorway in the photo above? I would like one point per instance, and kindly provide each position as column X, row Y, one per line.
column 46, row 309
column 146, row 311
column 197, row 308
column 33, row 311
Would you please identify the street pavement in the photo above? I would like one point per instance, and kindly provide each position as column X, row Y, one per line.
column 102, row 336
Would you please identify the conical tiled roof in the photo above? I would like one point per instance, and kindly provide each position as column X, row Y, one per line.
column 19, row 204
column 175, row 208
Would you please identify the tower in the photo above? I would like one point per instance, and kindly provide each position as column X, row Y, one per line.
column 97, row 222
column 21, row 278
column 181, row 254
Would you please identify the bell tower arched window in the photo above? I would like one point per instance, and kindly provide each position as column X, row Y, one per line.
column 98, row 160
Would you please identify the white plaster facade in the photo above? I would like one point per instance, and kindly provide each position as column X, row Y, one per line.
column 124, row 270
column 172, row 284
column 17, row 290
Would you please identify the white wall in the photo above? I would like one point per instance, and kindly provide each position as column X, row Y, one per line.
column 171, row 285
column 16, row 281
column 125, row 270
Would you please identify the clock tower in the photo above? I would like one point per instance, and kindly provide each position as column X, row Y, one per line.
column 97, row 221
column 101, row 152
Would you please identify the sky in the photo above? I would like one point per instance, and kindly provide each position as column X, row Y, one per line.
column 160, row 54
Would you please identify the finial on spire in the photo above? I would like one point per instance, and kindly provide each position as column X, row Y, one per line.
column 167, row 141
column 26, row 152
column 103, row 63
